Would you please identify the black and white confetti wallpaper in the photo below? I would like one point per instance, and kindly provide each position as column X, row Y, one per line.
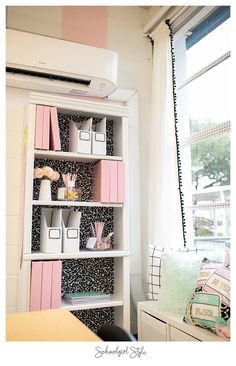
column 88, row 215
column 91, row 274
column 94, row 318
column 64, row 122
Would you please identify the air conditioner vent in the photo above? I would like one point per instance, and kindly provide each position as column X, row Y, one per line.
column 47, row 76
column 59, row 66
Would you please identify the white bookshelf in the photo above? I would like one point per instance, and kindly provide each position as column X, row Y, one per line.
column 120, row 300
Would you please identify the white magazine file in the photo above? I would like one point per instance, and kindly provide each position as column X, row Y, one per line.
column 99, row 142
column 80, row 137
column 51, row 230
column 70, row 231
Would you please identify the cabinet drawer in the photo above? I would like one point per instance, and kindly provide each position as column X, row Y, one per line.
column 178, row 335
column 152, row 329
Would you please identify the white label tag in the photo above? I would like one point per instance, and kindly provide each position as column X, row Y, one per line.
column 54, row 234
column 72, row 233
column 100, row 136
column 84, row 135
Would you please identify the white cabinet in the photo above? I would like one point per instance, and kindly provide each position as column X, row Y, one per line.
column 152, row 329
column 117, row 213
column 155, row 325
column 177, row 335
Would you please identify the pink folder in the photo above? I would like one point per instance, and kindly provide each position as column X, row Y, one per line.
column 46, row 127
column 101, row 181
column 55, row 141
column 113, row 181
column 35, row 286
column 46, row 285
column 38, row 138
column 120, row 182
column 56, row 285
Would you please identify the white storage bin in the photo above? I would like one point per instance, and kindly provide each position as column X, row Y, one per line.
column 70, row 231
column 50, row 231
column 80, row 137
column 99, row 142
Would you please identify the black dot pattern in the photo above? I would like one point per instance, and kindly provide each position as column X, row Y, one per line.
column 94, row 318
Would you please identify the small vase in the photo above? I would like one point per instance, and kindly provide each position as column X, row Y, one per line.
column 45, row 190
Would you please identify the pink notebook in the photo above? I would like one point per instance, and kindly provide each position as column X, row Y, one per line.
column 101, row 181
column 46, row 127
column 120, row 182
column 38, row 138
column 55, row 141
column 35, row 286
column 113, row 181
column 46, row 285
column 56, row 284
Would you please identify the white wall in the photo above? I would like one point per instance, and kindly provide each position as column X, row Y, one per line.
column 44, row 20
column 15, row 114
column 124, row 36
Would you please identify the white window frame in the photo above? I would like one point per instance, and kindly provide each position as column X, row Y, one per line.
column 183, row 127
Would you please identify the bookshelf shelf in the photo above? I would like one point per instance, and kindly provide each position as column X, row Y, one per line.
column 70, row 156
column 112, row 302
column 75, row 204
column 82, row 254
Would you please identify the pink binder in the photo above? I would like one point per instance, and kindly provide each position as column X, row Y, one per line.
column 46, row 285
column 46, row 127
column 38, row 138
column 120, row 182
column 113, row 181
column 101, row 181
column 55, row 142
column 56, row 284
column 35, row 286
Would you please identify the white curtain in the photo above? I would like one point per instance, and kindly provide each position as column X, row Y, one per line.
column 164, row 220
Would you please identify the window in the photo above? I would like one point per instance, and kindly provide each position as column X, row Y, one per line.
column 203, row 95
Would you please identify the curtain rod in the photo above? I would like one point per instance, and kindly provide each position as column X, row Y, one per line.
column 176, row 15
column 155, row 21
column 171, row 12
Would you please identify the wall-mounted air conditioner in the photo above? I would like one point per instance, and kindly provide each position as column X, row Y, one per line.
column 48, row 64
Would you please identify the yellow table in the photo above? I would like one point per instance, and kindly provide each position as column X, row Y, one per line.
column 47, row 325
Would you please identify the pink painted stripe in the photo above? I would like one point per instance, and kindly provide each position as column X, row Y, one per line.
column 85, row 24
